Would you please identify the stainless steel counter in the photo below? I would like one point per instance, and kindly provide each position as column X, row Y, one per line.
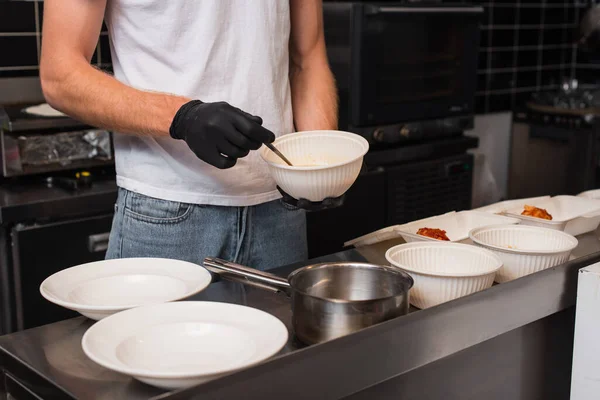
column 425, row 355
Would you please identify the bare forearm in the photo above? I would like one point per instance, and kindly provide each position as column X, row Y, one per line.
column 314, row 97
column 98, row 99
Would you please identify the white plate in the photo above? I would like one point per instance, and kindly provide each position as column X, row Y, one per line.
column 176, row 345
column 102, row 288
column 572, row 214
column 456, row 224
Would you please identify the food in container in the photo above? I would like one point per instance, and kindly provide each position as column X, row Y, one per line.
column 536, row 212
column 503, row 206
column 456, row 225
column 444, row 271
column 325, row 163
column 434, row 233
column 524, row 249
column 572, row 214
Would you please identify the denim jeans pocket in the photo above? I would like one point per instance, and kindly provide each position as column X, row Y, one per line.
column 157, row 211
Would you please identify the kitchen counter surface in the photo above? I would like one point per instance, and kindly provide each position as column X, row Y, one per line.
column 49, row 361
column 24, row 201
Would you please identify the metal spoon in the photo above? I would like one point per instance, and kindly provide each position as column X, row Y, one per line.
column 274, row 150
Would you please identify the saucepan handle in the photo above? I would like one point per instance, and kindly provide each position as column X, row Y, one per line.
column 246, row 275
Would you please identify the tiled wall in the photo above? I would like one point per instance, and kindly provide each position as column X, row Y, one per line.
column 20, row 39
column 526, row 46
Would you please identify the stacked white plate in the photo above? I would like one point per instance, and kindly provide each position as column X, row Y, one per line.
column 524, row 249
column 176, row 345
column 102, row 288
column 572, row 214
column 444, row 271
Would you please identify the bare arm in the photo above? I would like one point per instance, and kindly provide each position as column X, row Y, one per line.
column 73, row 86
column 314, row 95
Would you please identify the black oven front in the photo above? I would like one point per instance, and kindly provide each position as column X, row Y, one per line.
column 411, row 67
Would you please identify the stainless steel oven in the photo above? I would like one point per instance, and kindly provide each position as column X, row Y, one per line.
column 404, row 70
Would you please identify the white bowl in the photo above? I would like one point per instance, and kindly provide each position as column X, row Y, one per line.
column 326, row 163
column 177, row 345
column 444, row 271
column 102, row 288
column 532, row 248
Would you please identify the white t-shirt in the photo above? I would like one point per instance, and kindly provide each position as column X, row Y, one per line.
column 213, row 50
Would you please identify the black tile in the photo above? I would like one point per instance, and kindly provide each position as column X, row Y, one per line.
column 529, row 37
column 527, row 58
column 526, row 79
column 105, row 49
column 501, row 80
column 501, row 59
column 504, row 16
column 484, row 37
column 107, row 68
column 521, row 99
column 19, row 73
column 95, row 56
column 503, row 38
column 500, row 102
column 530, row 16
column 556, row 15
column 480, row 104
column 482, row 80
column 553, row 36
column 18, row 51
column 588, row 75
column 551, row 77
column 552, row 57
column 41, row 14
column 17, row 17
column 482, row 60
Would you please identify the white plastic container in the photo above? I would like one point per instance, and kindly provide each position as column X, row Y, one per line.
column 456, row 224
column 503, row 206
column 524, row 249
column 326, row 163
column 378, row 236
column 444, row 271
column 591, row 194
column 572, row 214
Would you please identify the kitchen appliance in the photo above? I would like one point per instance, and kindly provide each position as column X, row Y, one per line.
column 332, row 299
column 57, row 196
column 555, row 145
column 31, row 144
column 404, row 70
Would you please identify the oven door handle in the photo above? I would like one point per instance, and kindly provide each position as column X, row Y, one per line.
column 423, row 10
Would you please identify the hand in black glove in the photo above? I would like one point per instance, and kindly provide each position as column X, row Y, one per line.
column 219, row 133
column 326, row 204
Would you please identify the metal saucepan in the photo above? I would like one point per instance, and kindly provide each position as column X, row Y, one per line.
column 332, row 299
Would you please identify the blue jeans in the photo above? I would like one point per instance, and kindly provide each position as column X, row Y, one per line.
column 263, row 236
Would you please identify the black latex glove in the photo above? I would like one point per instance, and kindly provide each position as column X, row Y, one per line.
column 326, row 204
column 219, row 133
